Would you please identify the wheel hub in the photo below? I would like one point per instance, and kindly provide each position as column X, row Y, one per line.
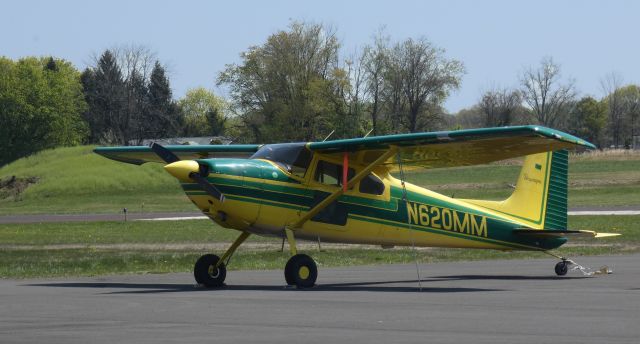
column 303, row 272
column 213, row 272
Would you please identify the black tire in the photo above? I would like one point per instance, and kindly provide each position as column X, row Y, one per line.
column 301, row 271
column 562, row 268
column 289, row 275
column 206, row 274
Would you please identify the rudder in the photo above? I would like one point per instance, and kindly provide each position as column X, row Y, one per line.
column 540, row 198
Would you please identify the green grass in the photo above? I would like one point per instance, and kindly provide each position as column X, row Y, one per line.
column 23, row 252
column 598, row 181
column 132, row 232
column 92, row 262
column 75, row 180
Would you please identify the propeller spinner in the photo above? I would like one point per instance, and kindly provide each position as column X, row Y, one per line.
column 187, row 169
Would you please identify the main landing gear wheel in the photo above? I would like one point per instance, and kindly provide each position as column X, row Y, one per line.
column 207, row 274
column 562, row 268
column 301, row 271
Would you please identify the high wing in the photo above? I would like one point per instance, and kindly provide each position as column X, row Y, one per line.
column 454, row 148
column 138, row 155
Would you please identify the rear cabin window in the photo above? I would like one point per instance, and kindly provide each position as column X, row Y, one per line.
column 371, row 185
column 331, row 174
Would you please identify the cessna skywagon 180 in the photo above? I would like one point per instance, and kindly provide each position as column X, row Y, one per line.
column 343, row 191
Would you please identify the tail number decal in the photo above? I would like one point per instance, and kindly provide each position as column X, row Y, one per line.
column 447, row 219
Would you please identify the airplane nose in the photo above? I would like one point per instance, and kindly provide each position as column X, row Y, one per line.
column 182, row 169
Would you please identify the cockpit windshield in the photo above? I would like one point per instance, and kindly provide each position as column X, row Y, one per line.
column 292, row 157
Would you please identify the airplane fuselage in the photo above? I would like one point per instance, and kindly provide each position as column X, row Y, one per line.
column 262, row 198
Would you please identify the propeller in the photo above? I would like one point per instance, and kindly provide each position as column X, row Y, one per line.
column 199, row 177
column 164, row 153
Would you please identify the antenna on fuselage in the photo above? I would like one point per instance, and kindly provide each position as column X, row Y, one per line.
column 328, row 136
column 368, row 133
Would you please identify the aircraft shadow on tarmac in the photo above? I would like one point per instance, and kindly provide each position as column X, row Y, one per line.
column 380, row 286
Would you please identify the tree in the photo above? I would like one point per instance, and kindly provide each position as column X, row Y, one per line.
column 469, row 118
column 630, row 103
column 588, row 120
column 544, row 93
column 40, row 105
column 129, row 99
column 161, row 114
column 610, row 85
column 203, row 113
column 374, row 62
column 499, row 106
column 105, row 93
column 292, row 81
column 349, row 85
column 417, row 78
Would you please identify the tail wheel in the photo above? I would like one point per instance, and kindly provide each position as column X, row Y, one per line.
column 206, row 272
column 562, row 268
column 301, row 271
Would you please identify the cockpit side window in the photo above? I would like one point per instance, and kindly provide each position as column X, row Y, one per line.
column 331, row 174
column 301, row 164
column 371, row 185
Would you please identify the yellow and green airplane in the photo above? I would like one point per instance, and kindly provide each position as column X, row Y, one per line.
column 343, row 191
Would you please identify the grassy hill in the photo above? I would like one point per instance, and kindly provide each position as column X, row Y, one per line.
column 75, row 180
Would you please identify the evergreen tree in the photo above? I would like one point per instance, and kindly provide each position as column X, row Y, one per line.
column 104, row 92
column 136, row 106
column 161, row 113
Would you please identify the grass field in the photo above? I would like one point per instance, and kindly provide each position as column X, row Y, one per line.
column 96, row 248
column 596, row 180
column 75, row 180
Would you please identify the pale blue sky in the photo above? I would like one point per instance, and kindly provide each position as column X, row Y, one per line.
column 195, row 39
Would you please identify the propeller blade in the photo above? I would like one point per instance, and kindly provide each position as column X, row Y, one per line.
column 164, row 153
column 208, row 188
column 199, row 177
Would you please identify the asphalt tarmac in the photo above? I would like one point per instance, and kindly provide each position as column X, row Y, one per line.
column 464, row 302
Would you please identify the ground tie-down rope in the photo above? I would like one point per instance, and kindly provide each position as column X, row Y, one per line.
column 605, row 270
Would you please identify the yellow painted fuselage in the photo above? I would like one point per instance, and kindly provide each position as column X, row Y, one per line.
column 262, row 198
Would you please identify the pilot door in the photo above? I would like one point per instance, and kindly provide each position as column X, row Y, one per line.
column 329, row 178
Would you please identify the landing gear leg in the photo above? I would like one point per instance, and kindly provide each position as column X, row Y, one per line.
column 300, row 270
column 210, row 270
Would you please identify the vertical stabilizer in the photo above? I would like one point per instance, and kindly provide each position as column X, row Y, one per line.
column 540, row 197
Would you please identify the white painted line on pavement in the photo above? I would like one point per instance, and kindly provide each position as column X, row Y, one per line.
column 605, row 212
column 175, row 218
column 572, row 213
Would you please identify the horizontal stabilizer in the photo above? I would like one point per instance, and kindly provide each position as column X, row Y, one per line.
column 549, row 233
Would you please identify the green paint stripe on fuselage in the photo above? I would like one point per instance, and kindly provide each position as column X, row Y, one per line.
column 499, row 229
column 509, row 245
